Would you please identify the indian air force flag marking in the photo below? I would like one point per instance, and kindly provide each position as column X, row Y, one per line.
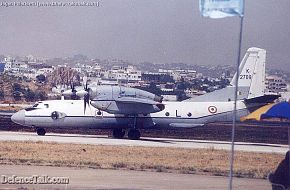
column 221, row 8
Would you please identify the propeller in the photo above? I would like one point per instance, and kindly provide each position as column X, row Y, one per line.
column 71, row 92
column 85, row 93
column 74, row 91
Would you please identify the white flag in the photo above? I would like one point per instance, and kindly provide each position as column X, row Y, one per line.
column 221, row 8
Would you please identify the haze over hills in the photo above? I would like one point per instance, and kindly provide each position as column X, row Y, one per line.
column 215, row 71
column 163, row 31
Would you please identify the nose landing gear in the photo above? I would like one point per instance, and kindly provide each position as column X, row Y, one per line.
column 40, row 131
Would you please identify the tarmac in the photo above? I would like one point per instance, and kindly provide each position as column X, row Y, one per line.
column 144, row 142
column 86, row 178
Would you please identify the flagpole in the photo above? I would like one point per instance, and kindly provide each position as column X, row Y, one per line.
column 235, row 104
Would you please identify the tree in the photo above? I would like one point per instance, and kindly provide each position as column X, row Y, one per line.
column 17, row 95
column 152, row 88
column 1, row 94
column 41, row 78
column 16, row 87
column 183, row 85
column 40, row 95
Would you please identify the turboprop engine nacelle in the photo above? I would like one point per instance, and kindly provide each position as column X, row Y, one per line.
column 114, row 92
column 124, row 100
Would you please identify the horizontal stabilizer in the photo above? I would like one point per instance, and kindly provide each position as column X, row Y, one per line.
column 267, row 98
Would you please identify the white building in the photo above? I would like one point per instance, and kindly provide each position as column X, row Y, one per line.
column 14, row 66
column 77, row 69
column 177, row 74
column 45, row 71
column 129, row 74
column 9, row 63
column 275, row 84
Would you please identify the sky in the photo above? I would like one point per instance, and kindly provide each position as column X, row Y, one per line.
column 159, row 31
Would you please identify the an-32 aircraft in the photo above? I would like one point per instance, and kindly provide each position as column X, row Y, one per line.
column 120, row 108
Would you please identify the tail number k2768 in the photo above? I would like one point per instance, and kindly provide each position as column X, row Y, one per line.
column 245, row 76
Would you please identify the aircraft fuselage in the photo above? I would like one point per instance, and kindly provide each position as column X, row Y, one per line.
column 176, row 114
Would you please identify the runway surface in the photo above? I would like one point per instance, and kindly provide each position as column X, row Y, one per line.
column 121, row 179
column 145, row 141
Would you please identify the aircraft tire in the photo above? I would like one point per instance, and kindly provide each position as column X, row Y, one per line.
column 118, row 133
column 134, row 134
column 40, row 131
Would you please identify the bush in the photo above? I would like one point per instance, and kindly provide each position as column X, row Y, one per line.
column 16, row 87
column 1, row 94
column 41, row 95
column 41, row 78
column 17, row 95
column 29, row 96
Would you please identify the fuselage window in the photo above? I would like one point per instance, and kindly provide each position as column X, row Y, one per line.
column 189, row 114
column 54, row 115
column 46, row 105
column 167, row 114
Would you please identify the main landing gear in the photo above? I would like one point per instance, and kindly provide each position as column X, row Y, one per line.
column 118, row 133
column 133, row 134
column 40, row 131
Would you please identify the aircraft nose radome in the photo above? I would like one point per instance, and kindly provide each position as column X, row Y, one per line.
column 19, row 117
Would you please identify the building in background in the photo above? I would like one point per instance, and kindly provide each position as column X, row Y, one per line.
column 2, row 66
column 275, row 84
column 121, row 74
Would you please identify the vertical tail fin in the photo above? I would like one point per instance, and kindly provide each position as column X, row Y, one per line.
column 251, row 79
column 252, row 72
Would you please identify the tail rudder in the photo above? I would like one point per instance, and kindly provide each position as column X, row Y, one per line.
column 251, row 81
column 252, row 72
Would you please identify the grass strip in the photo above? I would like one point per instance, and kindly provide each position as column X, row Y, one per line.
column 180, row 160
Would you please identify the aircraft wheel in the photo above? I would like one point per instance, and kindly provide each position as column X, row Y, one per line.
column 118, row 133
column 134, row 134
column 40, row 131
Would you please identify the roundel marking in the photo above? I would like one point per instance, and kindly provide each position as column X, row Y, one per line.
column 212, row 109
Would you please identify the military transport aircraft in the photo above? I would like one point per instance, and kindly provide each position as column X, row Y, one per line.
column 120, row 108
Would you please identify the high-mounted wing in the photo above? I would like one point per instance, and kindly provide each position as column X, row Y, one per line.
column 123, row 100
column 128, row 106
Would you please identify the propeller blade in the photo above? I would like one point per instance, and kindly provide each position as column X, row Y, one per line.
column 85, row 105
column 86, row 99
column 85, row 93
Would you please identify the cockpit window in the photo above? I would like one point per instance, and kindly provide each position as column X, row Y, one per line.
column 40, row 105
column 35, row 105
